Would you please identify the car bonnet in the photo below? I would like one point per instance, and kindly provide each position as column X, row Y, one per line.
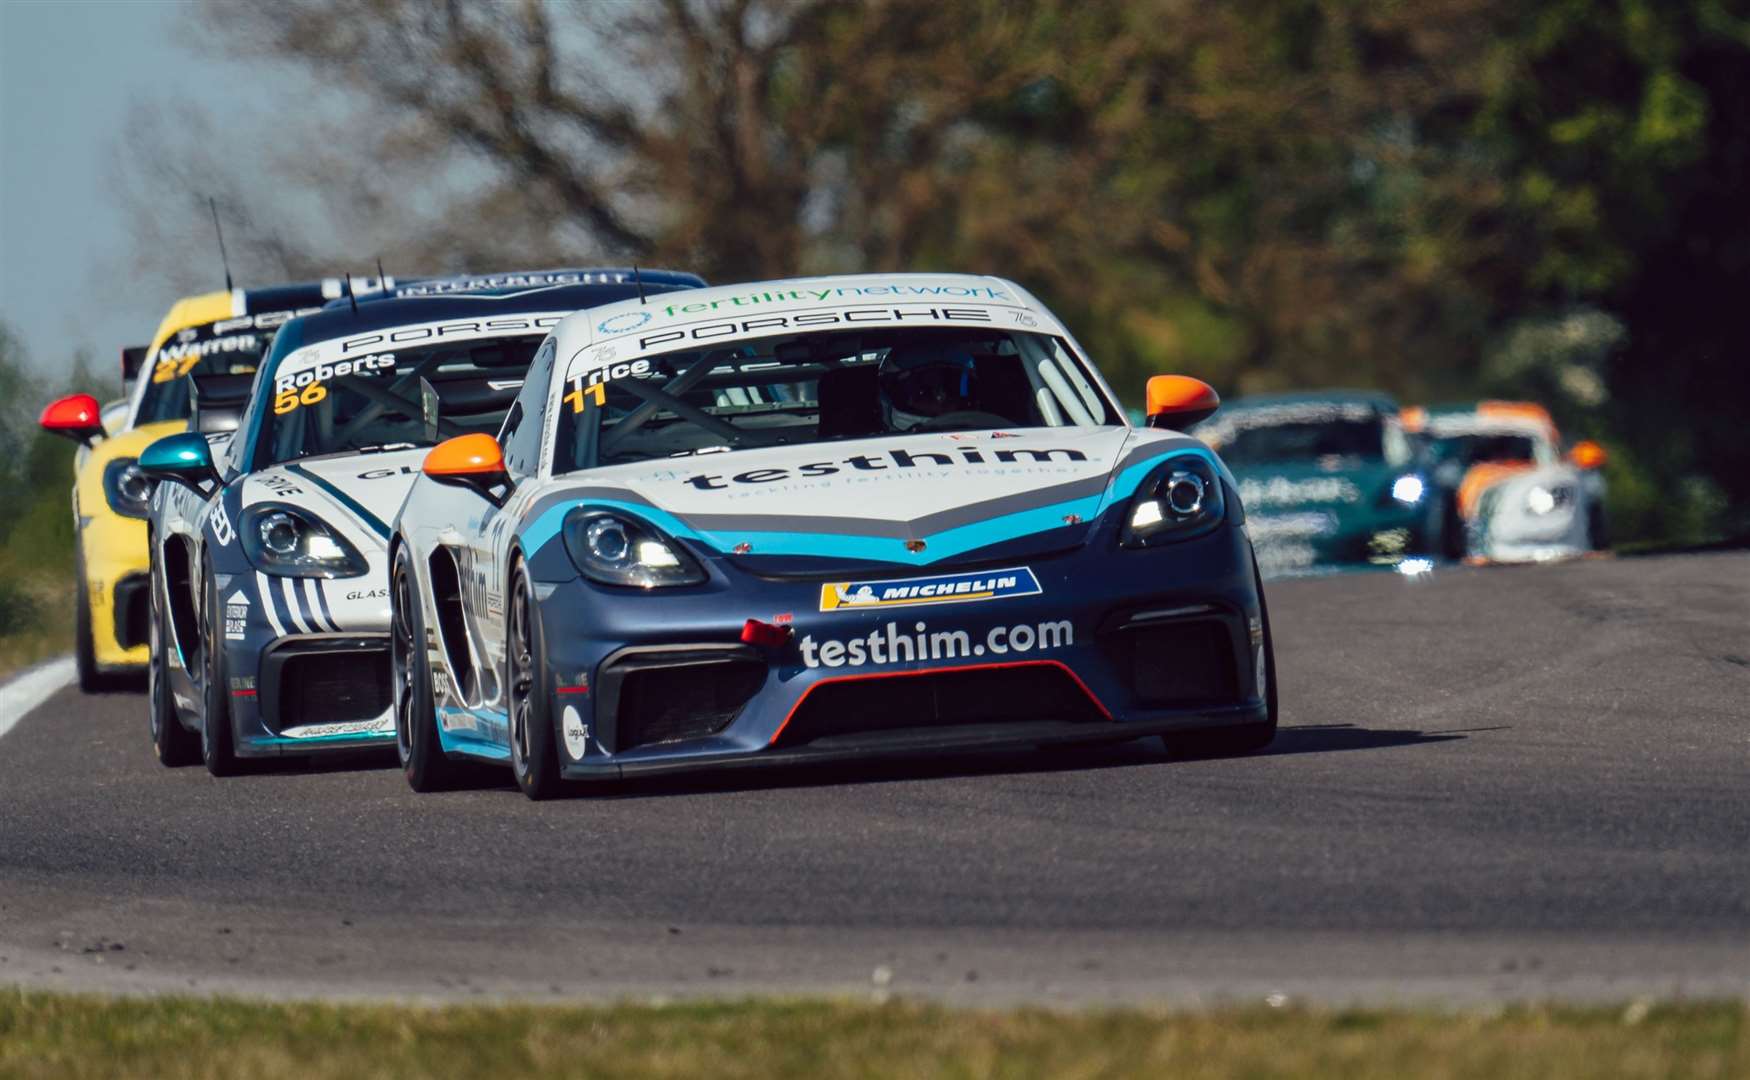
column 905, row 500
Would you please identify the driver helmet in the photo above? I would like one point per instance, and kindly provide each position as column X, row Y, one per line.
column 922, row 381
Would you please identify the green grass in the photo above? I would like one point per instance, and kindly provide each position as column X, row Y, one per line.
column 36, row 581
column 51, row 1035
column 36, row 620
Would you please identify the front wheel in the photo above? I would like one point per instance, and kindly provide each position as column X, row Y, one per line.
column 533, row 756
column 416, row 736
column 91, row 681
column 218, row 742
column 173, row 744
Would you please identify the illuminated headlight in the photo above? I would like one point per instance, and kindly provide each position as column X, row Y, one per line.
column 1408, row 490
column 615, row 550
column 288, row 542
column 127, row 489
column 1180, row 500
column 1541, row 500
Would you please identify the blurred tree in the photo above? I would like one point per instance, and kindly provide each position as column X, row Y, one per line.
column 1428, row 196
column 20, row 399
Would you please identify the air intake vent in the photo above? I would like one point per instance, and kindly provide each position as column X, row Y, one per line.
column 1184, row 663
column 670, row 696
column 333, row 687
column 1013, row 693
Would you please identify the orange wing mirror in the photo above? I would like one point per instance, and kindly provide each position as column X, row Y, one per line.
column 1588, row 455
column 77, row 416
column 1178, row 401
column 470, row 461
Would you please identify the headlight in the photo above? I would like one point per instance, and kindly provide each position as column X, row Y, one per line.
column 1541, row 500
column 127, row 489
column 283, row 540
column 1408, row 489
column 1179, row 500
column 615, row 550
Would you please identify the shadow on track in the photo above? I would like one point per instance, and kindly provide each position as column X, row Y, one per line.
column 1332, row 738
column 1301, row 739
column 1311, row 739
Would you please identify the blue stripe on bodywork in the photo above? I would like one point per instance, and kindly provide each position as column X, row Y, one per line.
column 274, row 595
column 357, row 508
column 943, row 545
column 322, row 599
column 295, row 588
column 467, row 743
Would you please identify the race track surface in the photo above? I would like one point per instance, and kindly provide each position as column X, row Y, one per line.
column 1491, row 783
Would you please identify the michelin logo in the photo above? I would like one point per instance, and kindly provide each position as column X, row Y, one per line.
column 939, row 589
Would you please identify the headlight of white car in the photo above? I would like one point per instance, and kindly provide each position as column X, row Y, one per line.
column 1542, row 500
column 288, row 542
column 615, row 550
column 1179, row 500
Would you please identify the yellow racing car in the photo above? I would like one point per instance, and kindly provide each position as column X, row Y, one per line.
column 214, row 334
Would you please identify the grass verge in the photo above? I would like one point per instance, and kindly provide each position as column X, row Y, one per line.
column 36, row 620
column 53, row 1035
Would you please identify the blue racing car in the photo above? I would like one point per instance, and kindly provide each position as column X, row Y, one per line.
column 816, row 519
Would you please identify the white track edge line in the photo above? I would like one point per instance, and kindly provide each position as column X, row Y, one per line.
column 30, row 688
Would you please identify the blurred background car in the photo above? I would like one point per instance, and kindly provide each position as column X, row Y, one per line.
column 1521, row 498
column 1331, row 478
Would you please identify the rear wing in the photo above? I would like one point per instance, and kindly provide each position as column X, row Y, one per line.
column 219, row 401
column 133, row 358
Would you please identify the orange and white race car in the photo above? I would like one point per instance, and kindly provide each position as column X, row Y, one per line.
column 1522, row 499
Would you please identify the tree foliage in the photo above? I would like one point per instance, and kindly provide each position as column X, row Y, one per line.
column 1436, row 197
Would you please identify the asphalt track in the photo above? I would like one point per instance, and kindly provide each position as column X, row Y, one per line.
column 1490, row 784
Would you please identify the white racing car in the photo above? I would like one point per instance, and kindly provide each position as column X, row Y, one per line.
column 1521, row 498
column 817, row 519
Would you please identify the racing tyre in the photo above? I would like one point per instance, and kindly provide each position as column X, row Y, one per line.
column 533, row 756
column 1597, row 533
column 1452, row 530
column 173, row 744
column 218, row 742
column 1242, row 738
column 84, row 649
column 416, row 737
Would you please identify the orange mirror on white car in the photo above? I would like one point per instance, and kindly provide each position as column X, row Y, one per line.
column 1178, row 401
column 1588, row 455
column 470, row 461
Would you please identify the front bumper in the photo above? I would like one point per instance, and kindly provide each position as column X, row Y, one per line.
column 1114, row 645
column 116, row 561
column 1299, row 540
column 298, row 691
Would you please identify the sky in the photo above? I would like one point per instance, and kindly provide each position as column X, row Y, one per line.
column 69, row 73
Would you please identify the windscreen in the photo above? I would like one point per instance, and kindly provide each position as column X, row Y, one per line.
column 797, row 389
column 1328, row 433
column 1307, row 442
column 226, row 347
column 1473, row 449
column 392, row 400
